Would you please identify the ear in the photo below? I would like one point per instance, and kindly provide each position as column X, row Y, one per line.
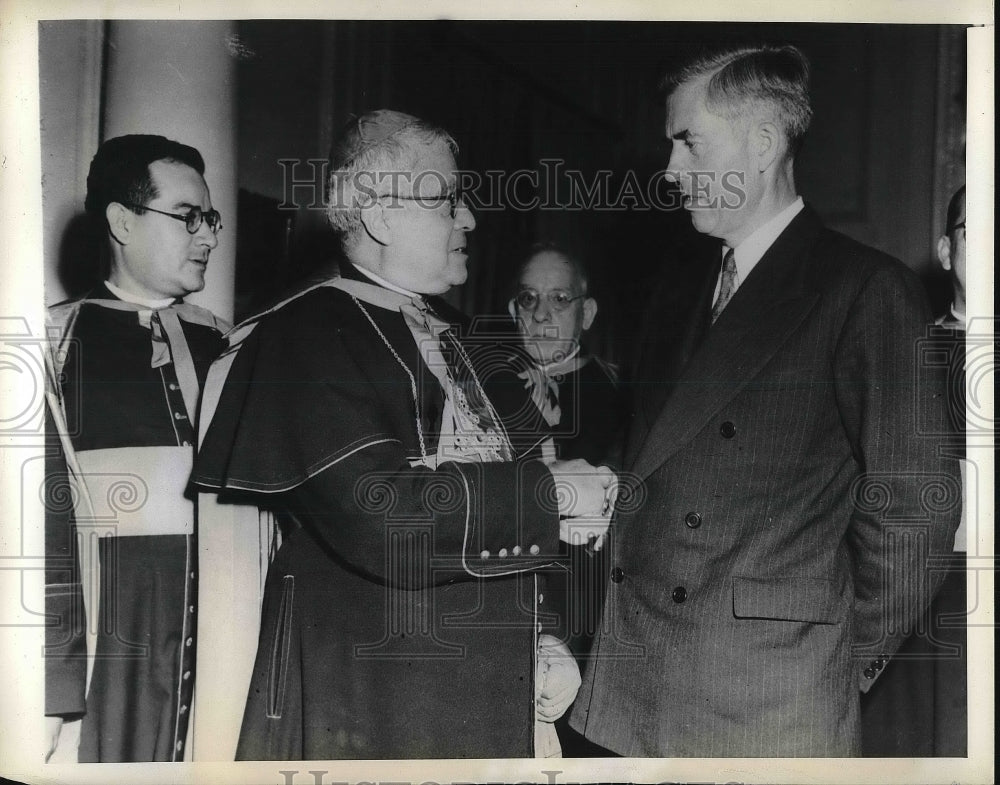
column 373, row 219
column 120, row 221
column 944, row 251
column 589, row 312
column 766, row 143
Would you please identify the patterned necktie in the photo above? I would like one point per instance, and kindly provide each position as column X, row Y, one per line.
column 728, row 286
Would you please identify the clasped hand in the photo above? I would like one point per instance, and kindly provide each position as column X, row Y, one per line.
column 586, row 495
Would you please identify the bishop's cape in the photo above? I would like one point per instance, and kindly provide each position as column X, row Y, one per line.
column 401, row 613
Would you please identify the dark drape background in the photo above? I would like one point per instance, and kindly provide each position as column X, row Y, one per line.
column 885, row 150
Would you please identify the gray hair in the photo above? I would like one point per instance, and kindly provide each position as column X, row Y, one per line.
column 744, row 78
column 370, row 150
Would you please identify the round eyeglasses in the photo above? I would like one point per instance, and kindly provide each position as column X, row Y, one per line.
column 192, row 219
column 528, row 299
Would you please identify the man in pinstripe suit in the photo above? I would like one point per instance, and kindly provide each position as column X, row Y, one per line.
column 787, row 488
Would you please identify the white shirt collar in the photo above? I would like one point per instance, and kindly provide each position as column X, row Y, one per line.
column 753, row 248
column 384, row 283
column 128, row 297
column 959, row 315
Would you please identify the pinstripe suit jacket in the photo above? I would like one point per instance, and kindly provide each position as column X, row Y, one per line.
column 771, row 549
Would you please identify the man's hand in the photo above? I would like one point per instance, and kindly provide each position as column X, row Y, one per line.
column 557, row 679
column 582, row 489
column 53, row 727
column 586, row 496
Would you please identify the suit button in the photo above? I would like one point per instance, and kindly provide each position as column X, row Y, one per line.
column 484, row 555
column 693, row 520
column 727, row 429
column 618, row 575
column 679, row 594
column 869, row 673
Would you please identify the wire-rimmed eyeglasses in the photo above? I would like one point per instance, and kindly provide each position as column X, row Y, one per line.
column 192, row 219
column 453, row 197
column 528, row 299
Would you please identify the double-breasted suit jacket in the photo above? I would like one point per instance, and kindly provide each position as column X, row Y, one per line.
column 769, row 551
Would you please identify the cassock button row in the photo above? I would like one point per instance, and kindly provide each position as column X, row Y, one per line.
column 484, row 554
column 516, row 550
column 693, row 520
column 618, row 575
column 541, row 598
column 184, row 709
column 727, row 429
column 190, row 609
column 679, row 594
column 534, row 550
column 180, row 746
column 502, row 553
column 186, row 676
column 174, row 386
column 189, row 641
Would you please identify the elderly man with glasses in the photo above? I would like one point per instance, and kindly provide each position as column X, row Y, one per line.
column 403, row 615
column 581, row 398
column 125, row 376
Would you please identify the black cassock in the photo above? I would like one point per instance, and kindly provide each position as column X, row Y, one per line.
column 127, row 423
column 400, row 615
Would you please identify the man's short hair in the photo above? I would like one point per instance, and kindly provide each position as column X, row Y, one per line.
column 574, row 260
column 365, row 156
column 119, row 171
column 739, row 78
column 956, row 208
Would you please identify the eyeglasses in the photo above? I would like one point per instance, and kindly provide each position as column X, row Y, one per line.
column 528, row 300
column 453, row 197
column 192, row 219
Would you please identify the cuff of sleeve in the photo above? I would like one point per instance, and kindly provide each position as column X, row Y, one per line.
column 513, row 517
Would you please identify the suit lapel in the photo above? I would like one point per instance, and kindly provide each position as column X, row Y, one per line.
column 682, row 304
column 765, row 311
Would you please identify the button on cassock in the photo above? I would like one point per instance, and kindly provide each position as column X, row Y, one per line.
column 617, row 575
column 679, row 594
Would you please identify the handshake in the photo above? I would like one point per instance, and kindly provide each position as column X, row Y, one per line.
column 586, row 495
